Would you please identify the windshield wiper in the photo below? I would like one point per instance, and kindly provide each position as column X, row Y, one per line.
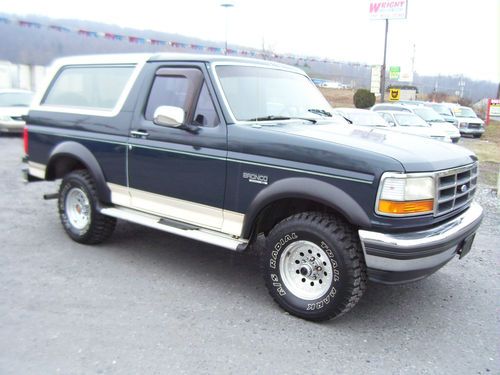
column 347, row 119
column 277, row 118
column 320, row 112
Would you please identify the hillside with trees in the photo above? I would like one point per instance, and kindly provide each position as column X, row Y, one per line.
column 41, row 45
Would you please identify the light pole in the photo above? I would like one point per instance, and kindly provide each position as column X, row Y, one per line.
column 382, row 72
column 226, row 6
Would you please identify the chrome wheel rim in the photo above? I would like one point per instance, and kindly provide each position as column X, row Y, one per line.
column 77, row 208
column 306, row 270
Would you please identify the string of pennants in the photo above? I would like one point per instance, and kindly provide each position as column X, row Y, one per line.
column 158, row 42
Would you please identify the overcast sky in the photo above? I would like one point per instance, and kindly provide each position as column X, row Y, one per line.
column 450, row 36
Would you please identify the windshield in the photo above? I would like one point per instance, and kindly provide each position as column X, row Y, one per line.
column 367, row 118
column 409, row 119
column 464, row 112
column 428, row 114
column 15, row 99
column 442, row 109
column 260, row 93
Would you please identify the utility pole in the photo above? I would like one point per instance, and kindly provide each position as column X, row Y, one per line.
column 226, row 6
column 413, row 64
column 382, row 71
column 498, row 91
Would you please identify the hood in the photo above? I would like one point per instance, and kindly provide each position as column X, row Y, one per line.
column 421, row 131
column 446, row 127
column 415, row 153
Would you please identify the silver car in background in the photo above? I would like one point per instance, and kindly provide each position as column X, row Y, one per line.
column 410, row 123
column 429, row 115
column 14, row 104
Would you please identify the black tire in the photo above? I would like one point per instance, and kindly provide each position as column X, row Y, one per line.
column 477, row 135
column 344, row 256
column 98, row 227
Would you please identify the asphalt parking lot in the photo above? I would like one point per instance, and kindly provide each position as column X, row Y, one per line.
column 146, row 302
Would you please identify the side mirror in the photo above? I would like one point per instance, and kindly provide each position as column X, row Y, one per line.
column 391, row 123
column 166, row 115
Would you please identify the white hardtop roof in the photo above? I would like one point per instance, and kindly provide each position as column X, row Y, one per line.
column 141, row 58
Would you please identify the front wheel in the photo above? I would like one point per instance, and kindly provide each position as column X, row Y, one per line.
column 313, row 266
column 78, row 211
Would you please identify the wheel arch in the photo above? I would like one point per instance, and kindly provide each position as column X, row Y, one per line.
column 69, row 156
column 293, row 195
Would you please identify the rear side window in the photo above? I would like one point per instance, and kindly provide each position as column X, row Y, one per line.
column 95, row 87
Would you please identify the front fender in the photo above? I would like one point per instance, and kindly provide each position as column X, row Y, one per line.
column 76, row 151
column 310, row 189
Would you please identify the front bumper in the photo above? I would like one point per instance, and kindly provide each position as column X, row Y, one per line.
column 403, row 257
column 11, row 126
column 472, row 130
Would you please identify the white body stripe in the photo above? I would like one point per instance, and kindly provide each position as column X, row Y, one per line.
column 37, row 170
column 189, row 212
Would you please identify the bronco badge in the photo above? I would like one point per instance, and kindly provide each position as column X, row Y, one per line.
column 255, row 178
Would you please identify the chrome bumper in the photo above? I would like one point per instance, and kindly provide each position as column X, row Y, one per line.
column 472, row 130
column 402, row 257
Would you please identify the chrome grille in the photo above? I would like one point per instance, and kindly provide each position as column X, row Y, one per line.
column 455, row 189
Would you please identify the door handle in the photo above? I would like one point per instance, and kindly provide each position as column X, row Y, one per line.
column 139, row 134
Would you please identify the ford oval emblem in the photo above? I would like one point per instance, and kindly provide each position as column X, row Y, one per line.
column 463, row 188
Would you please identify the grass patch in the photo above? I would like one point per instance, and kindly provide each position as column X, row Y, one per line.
column 487, row 149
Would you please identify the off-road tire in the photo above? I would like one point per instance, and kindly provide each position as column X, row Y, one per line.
column 339, row 241
column 99, row 227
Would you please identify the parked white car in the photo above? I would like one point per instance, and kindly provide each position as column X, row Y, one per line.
column 468, row 122
column 435, row 120
column 361, row 117
column 429, row 115
column 13, row 105
column 410, row 123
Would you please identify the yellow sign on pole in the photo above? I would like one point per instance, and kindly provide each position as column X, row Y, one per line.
column 394, row 95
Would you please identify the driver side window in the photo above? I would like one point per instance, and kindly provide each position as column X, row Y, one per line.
column 205, row 113
column 167, row 90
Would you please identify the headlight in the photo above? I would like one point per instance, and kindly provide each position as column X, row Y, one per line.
column 401, row 195
column 463, row 124
column 5, row 118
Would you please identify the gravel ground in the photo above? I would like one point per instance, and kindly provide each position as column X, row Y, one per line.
column 146, row 302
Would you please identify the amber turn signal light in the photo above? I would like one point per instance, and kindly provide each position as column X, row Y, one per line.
column 401, row 208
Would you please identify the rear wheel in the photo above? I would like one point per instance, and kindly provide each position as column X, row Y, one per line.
column 78, row 211
column 313, row 266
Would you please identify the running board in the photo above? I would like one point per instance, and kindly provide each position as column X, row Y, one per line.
column 176, row 227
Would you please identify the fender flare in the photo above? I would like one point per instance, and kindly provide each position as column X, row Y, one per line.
column 310, row 189
column 84, row 156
